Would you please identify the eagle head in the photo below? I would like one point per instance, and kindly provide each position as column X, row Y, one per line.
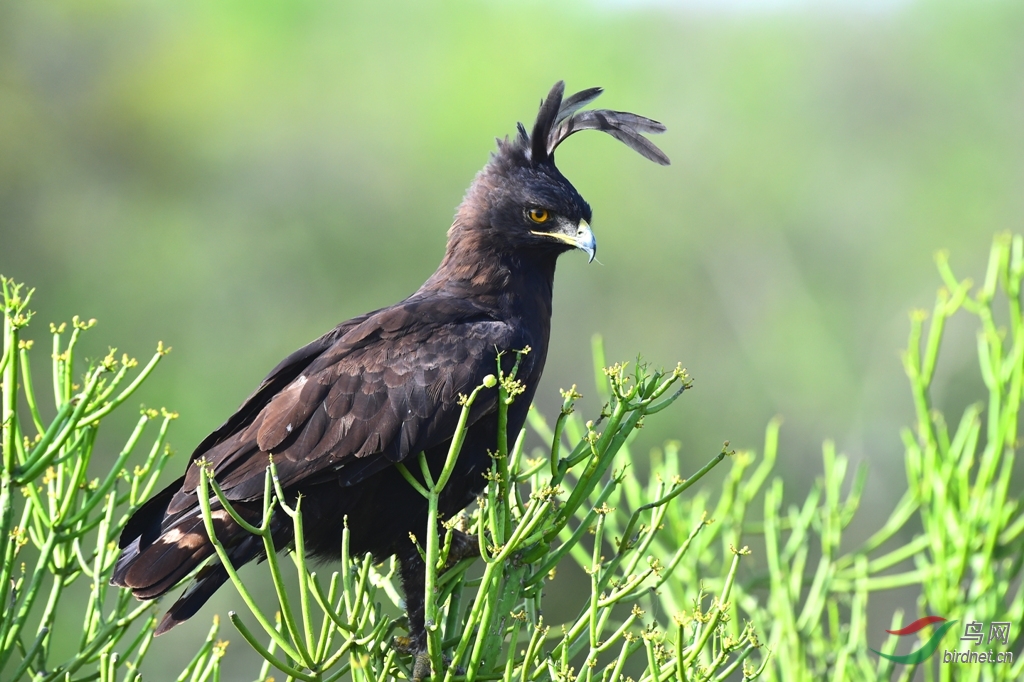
column 521, row 203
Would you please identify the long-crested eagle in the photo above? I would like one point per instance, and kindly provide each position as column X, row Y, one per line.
column 337, row 414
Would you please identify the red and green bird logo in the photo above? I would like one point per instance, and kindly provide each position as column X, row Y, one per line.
column 928, row 648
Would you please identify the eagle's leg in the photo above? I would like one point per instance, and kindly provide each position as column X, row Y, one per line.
column 463, row 546
column 412, row 569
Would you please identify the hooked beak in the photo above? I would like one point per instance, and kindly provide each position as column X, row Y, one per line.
column 585, row 240
column 582, row 237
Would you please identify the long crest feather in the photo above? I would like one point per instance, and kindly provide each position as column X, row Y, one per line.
column 559, row 119
column 574, row 103
column 546, row 118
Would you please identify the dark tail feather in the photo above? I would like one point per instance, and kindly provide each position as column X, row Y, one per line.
column 159, row 551
column 206, row 582
column 202, row 587
column 144, row 528
column 147, row 520
column 151, row 571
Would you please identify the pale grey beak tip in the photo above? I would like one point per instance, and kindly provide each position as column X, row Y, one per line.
column 585, row 240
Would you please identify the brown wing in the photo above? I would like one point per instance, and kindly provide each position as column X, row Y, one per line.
column 368, row 394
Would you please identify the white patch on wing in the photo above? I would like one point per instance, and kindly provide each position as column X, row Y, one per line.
column 189, row 540
column 173, row 535
column 192, row 539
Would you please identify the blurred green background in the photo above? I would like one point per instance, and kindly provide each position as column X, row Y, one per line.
column 235, row 178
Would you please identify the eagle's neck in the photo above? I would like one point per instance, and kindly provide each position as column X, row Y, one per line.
column 514, row 283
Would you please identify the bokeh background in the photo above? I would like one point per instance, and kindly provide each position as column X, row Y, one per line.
column 234, row 178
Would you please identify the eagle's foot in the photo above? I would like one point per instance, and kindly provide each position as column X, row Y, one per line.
column 403, row 645
column 421, row 667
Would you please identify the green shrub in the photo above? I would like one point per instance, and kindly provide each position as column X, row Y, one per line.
column 535, row 513
column 966, row 521
column 666, row 598
column 64, row 524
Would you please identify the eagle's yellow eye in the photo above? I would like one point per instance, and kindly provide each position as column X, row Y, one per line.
column 538, row 215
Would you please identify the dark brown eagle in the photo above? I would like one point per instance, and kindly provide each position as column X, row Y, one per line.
column 338, row 413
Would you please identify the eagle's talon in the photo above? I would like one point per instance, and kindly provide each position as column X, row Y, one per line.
column 421, row 667
column 403, row 645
